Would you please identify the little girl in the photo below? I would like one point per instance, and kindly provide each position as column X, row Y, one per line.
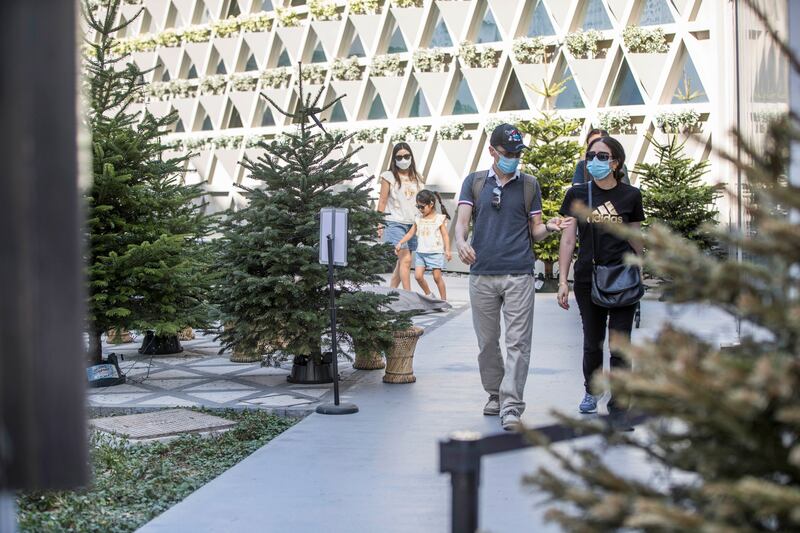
column 433, row 242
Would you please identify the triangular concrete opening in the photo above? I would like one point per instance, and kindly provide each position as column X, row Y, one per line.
column 514, row 97
column 625, row 90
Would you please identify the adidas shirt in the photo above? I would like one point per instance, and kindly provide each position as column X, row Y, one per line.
column 622, row 204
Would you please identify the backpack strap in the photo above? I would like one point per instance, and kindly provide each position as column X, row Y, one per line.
column 478, row 181
column 529, row 190
column 477, row 185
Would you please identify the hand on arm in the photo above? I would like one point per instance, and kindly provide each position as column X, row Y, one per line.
column 565, row 250
column 638, row 247
column 446, row 241
column 465, row 251
column 407, row 237
column 540, row 231
column 383, row 199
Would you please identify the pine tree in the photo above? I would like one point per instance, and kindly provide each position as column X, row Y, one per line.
column 725, row 434
column 273, row 293
column 674, row 194
column 551, row 159
column 147, row 262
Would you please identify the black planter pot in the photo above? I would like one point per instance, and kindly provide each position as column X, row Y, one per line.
column 160, row 344
column 312, row 370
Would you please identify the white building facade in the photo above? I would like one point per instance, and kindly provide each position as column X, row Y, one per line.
column 211, row 59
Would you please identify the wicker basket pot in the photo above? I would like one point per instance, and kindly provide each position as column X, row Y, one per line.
column 114, row 336
column 400, row 358
column 238, row 356
column 367, row 359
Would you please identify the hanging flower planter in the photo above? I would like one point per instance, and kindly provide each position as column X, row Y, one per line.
column 328, row 33
column 367, row 27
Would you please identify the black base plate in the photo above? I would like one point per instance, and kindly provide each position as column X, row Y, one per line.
column 333, row 409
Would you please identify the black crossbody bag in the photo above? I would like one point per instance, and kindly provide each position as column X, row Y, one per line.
column 613, row 285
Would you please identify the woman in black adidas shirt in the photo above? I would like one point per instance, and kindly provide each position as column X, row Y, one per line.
column 613, row 201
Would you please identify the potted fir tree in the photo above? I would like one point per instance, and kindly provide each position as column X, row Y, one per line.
column 551, row 158
column 147, row 261
column 273, row 293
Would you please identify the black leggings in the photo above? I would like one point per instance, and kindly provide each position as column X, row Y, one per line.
column 594, row 318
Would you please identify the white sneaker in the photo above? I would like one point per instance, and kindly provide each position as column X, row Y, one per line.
column 511, row 421
column 492, row 407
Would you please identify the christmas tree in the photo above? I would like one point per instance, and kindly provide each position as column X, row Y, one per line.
column 551, row 159
column 273, row 292
column 725, row 435
column 674, row 194
column 147, row 264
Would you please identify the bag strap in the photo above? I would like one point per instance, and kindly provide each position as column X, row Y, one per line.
column 478, row 182
column 589, row 222
column 528, row 191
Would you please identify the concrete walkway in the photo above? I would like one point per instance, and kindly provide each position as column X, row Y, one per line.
column 377, row 471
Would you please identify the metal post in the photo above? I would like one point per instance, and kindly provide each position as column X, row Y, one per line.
column 461, row 457
column 335, row 408
column 42, row 312
column 334, row 344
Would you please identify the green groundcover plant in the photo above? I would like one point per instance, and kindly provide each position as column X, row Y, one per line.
column 132, row 484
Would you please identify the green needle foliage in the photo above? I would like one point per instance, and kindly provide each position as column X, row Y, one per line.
column 273, row 292
column 724, row 443
column 552, row 158
column 674, row 193
column 147, row 265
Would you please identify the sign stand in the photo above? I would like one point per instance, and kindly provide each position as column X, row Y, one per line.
column 333, row 251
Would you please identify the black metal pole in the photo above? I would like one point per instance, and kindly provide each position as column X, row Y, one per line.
column 335, row 408
column 464, row 513
column 460, row 455
column 334, row 343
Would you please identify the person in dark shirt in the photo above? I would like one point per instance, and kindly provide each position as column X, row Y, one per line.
column 612, row 201
column 500, row 255
column 580, row 169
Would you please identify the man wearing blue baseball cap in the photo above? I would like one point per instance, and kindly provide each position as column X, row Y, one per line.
column 505, row 207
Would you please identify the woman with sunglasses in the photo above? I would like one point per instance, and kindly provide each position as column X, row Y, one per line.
column 399, row 187
column 580, row 169
column 612, row 201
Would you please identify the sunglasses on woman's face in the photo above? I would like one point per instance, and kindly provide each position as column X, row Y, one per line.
column 404, row 157
column 421, row 207
column 601, row 156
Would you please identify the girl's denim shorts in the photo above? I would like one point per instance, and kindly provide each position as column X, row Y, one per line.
column 394, row 231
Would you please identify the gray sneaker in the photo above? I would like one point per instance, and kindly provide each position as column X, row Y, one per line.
column 492, row 407
column 511, row 421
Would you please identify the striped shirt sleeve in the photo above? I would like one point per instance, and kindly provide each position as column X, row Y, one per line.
column 466, row 192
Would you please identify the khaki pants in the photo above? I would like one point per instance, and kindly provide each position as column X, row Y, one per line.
column 514, row 296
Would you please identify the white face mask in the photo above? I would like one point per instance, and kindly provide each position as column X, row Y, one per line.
column 403, row 164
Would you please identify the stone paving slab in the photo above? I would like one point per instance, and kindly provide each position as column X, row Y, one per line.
column 161, row 424
column 202, row 377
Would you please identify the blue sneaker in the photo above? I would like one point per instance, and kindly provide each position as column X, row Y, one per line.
column 588, row 404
